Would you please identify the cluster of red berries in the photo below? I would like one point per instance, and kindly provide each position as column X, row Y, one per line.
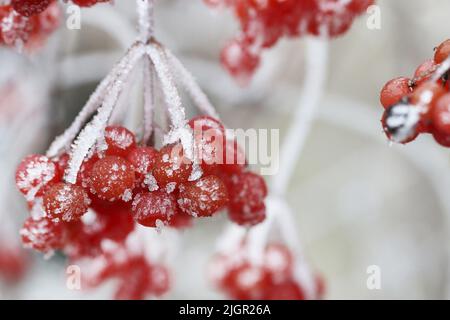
column 137, row 278
column 28, row 8
column 263, row 23
column 123, row 183
column 419, row 105
column 30, row 22
column 273, row 279
column 30, row 32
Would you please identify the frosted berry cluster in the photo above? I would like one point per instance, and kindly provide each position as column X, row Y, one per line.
column 263, row 23
column 136, row 276
column 30, row 32
column 28, row 23
column 122, row 183
column 273, row 279
column 28, row 8
column 420, row 104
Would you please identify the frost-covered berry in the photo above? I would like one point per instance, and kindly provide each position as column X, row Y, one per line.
column 160, row 280
column 171, row 166
column 442, row 52
column 180, row 220
column 247, row 282
column 143, row 160
column 247, row 191
column 426, row 93
column 209, row 136
column 28, row 8
column 120, row 141
column 394, row 90
column 42, row 234
column 35, row 172
column 112, row 178
column 400, row 122
column 66, row 201
column 247, row 216
column 279, row 261
column 154, row 209
column 204, row 197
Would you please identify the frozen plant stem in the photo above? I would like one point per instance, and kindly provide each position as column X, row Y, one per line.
column 315, row 78
column 146, row 19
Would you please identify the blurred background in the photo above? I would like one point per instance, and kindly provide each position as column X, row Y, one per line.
column 358, row 200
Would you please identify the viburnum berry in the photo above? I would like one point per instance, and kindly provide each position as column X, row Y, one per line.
column 247, row 191
column 28, row 8
column 35, row 172
column 143, row 160
column 88, row 3
column 394, row 90
column 395, row 122
column 204, row 197
column 180, row 220
column 13, row 263
column 154, row 209
column 426, row 93
column 278, row 260
column 160, row 280
column 112, row 178
column 233, row 158
column 263, row 23
column 248, row 282
column 171, row 166
column 19, row 31
column 42, row 234
column 440, row 115
column 442, row 52
column 424, row 71
column 119, row 140
column 288, row 290
column 66, row 201
column 112, row 220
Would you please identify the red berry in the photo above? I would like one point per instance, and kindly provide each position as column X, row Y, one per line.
column 442, row 52
column 28, row 8
column 84, row 174
column 279, row 261
column 394, row 90
column 65, row 201
column 112, row 178
column 160, row 280
column 440, row 115
column 388, row 131
column 180, row 220
column 288, row 290
column 424, row 71
column 247, row 191
column 13, row 263
column 240, row 62
column 113, row 220
column 34, row 173
column 171, row 166
column 143, row 160
column 442, row 139
column 42, row 234
column 209, row 136
column 120, row 141
column 204, row 197
column 88, row 3
column 247, row 216
column 234, row 160
column 426, row 93
column 150, row 207
column 247, row 282
column 135, row 281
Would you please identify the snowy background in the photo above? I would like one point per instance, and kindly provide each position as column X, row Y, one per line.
column 358, row 201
